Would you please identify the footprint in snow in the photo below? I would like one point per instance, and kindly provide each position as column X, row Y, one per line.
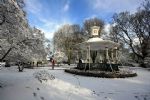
column 42, row 98
column 102, row 92
column 34, row 94
column 110, row 93
column 95, row 93
column 27, row 87
column 137, row 97
column 38, row 88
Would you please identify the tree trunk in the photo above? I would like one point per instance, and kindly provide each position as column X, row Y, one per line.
column 145, row 51
column 8, row 51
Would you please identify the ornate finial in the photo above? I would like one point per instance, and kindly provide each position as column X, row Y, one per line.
column 95, row 31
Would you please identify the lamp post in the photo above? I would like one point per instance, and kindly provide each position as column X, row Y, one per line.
column 89, row 57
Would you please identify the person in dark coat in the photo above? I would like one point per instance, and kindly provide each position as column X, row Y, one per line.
column 53, row 63
column 80, row 64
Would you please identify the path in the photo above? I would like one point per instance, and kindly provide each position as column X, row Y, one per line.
column 16, row 85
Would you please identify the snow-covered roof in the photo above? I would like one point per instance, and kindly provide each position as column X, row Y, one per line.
column 97, row 43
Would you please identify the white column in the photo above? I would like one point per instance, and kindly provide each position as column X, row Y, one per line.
column 108, row 60
column 116, row 54
column 77, row 59
column 89, row 57
column 100, row 58
column 107, row 56
column 112, row 55
column 87, row 53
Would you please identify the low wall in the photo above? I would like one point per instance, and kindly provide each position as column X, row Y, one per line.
column 102, row 74
column 97, row 66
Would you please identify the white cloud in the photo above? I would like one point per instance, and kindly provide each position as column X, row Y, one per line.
column 33, row 6
column 46, row 24
column 92, row 16
column 50, row 26
column 66, row 7
column 107, row 28
column 115, row 5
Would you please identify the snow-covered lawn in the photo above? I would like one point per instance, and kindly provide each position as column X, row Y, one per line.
column 58, row 85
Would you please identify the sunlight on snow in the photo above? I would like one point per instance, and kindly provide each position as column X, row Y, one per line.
column 65, row 87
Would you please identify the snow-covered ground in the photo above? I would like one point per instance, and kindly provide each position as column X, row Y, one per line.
column 47, row 84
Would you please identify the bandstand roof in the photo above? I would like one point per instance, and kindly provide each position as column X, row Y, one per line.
column 97, row 43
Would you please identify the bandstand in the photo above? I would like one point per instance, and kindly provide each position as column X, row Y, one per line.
column 109, row 62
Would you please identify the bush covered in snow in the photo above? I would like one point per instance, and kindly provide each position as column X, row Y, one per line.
column 103, row 74
column 59, row 57
column 43, row 76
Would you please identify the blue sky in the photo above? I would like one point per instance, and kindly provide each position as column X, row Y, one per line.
column 49, row 15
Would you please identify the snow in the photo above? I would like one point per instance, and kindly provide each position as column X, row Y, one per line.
column 58, row 85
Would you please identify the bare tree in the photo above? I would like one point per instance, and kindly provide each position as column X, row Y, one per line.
column 66, row 38
column 135, row 27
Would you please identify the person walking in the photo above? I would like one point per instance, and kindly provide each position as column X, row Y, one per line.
column 53, row 63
